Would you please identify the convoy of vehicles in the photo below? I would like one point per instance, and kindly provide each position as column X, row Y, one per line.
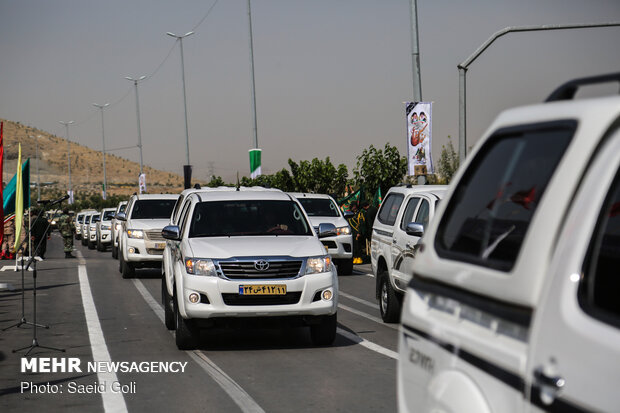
column 499, row 280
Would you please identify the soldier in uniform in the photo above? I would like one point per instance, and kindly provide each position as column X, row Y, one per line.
column 8, row 240
column 67, row 228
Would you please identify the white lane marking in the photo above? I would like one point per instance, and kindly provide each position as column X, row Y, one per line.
column 112, row 402
column 359, row 300
column 368, row 344
column 245, row 402
column 363, row 314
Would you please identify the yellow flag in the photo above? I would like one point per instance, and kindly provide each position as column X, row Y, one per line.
column 19, row 201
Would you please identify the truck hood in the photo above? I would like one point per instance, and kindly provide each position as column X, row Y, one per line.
column 256, row 246
column 148, row 223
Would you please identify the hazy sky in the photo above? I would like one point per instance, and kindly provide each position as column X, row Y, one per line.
column 331, row 75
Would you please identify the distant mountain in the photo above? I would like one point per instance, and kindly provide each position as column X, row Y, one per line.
column 86, row 165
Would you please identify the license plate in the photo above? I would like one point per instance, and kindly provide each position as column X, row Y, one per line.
column 160, row 245
column 277, row 289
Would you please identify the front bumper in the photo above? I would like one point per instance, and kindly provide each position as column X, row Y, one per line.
column 219, row 298
column 339, row 247
column 141, row 250
column 105, row 237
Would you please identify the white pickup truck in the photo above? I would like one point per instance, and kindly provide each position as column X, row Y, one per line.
column 513, row 305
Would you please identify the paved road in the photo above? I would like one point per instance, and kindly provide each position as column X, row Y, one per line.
column 95, row 315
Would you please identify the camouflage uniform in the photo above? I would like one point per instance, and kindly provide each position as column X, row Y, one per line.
column 67, row 228
column 8, row 240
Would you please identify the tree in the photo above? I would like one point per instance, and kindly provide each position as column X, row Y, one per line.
column 215, row 182
column 448, row 162
column 320, row 177
column 378, row 168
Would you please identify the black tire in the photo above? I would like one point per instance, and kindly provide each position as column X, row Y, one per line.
column 389, row 304
column 345, row 267
column 168, row 304
column 324, row 334
column 114, row 252
column 84, row 241
column 100, row 247
column 91, row 245
column 127, row 269
column 120, row 264
column 187, row 334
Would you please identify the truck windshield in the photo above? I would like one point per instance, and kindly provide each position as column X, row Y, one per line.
column 153, row 209
column 108, row 215
column 319, row 207
column 248, row 218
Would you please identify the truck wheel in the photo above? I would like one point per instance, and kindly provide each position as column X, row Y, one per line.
column 114, row 252
column 389, row 305
column 186, row 336
column 324, row 334
column 168, row 304
column 91, row 245
column 84, row 241
column 345, row 267
column 99, row 246
column 127, row 269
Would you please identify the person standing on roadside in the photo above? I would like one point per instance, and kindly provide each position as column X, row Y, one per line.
column 66, row 227
column 39, row 231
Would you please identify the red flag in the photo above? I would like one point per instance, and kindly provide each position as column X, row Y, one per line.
column 524, row 198
column 1, row 183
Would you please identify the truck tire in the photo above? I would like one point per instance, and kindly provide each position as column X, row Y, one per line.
column 186, row 336
column 127, row 269
column 389, row 304
column 168, row 304
column 324, row 334
column 91, row 245
column 114, row 251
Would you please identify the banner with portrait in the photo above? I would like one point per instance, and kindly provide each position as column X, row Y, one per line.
column 419, row 135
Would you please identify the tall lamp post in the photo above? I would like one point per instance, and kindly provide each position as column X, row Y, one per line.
column 187, row 169
column 105, row 184
column 135, row 83
column 70, row 190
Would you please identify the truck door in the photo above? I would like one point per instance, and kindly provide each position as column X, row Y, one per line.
column 574, row 360
column 403, row 243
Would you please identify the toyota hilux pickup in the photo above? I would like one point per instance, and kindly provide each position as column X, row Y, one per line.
column 244, row 257
column 513, row 303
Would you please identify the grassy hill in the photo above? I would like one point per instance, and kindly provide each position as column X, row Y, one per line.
column 86, row 166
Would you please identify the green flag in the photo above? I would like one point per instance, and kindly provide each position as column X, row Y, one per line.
column 255, row 163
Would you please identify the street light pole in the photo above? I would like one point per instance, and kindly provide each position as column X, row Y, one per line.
column 135, row 83
column 187, row 169
column 105, row 184
column 70, row 190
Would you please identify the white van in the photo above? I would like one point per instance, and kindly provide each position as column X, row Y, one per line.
column 513, row 305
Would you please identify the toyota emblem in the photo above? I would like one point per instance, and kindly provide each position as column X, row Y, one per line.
column 261, row 265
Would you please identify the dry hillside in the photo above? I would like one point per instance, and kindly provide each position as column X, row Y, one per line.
column 86, row 165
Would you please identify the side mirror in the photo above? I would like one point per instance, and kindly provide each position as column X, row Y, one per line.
column 171, row 232
column 327, row 230
column 348, row 214
column 121, row 216
column 415, row 229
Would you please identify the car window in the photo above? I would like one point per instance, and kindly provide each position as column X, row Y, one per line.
column 152, row 208
column 122, row 208
column 248, row 218
column 598, row 290
column 389, row 209
column 319, row 207
column 489, row 213
column 423, row 213
column 409, row 211
column 108, row 215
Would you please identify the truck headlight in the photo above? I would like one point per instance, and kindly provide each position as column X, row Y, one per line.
column 135, row 233
column 343, row 230
column 317, row 265
column 105, row 227
column 200, row 266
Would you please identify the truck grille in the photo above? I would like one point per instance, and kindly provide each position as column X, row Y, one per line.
column 236, row 270
column 236, row 299
column 154, row 235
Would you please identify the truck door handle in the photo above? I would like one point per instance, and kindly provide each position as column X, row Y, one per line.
column 541, row 377
column 394, row 241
